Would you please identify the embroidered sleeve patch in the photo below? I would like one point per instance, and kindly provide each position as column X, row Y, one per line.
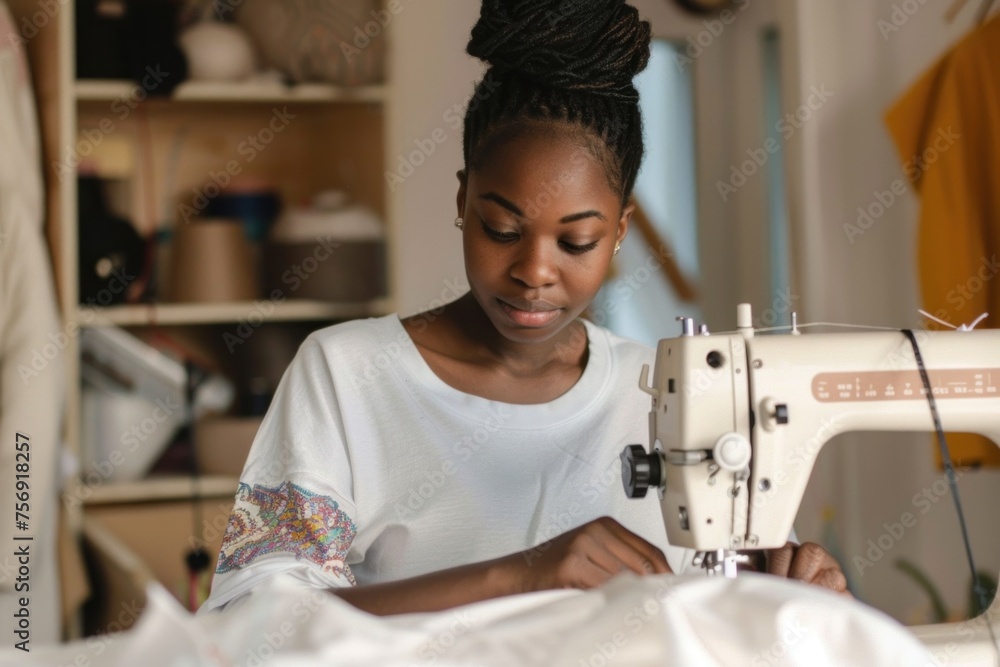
column 290, row 519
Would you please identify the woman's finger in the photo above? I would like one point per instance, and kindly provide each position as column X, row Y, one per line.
column 779, row 561
column 809, row 559
column 832, row 578
column 610, row 549
column 641, row 556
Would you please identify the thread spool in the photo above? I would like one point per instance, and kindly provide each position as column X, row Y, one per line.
column 212, row 262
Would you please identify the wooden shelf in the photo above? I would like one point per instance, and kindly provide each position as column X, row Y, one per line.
column 255, row 312
column 107, row 90
column 338, row 141
column 158, row 490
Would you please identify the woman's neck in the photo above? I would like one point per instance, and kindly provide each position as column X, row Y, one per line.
column 464, row 330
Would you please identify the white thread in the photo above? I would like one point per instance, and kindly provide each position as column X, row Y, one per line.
column 939, row 321
column 963, row 327
column 787, row 327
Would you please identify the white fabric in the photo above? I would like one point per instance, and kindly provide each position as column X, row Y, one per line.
column 32, row 371
column 430, row 477
column 755, row 621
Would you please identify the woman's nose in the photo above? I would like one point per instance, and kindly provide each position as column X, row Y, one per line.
column 534, row 264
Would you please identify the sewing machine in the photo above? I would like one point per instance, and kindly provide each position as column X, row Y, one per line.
column 737, row 421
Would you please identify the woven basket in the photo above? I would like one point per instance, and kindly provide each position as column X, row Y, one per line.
column 334, row 41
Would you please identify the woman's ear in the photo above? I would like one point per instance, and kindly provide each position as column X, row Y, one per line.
column 463, row 181
column 623, row 222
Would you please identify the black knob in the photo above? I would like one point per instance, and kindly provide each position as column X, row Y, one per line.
column 781, row 413
column 639, row 470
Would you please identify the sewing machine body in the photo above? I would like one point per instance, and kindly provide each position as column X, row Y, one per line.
column 785, row 396
column 738, row 419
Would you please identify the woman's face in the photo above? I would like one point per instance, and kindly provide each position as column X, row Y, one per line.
column 541, row 225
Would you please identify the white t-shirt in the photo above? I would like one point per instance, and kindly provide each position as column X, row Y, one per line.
column 369, row 468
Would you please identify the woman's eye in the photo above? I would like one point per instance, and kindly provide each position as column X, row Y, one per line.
column 498, row 235
column 579, row 249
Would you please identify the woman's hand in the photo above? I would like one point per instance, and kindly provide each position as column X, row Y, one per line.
column 586, row 557
column 808, row 562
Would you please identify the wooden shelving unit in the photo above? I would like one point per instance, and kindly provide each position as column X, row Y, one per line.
column 154, row 490
column 108, row 90
column 236, row 311
column 336, row 141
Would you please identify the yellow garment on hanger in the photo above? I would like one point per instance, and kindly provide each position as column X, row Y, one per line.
column 947, row 130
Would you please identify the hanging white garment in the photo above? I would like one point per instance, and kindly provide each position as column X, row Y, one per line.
column 32, row 371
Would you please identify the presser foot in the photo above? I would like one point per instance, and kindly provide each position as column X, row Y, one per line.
column 723, row 562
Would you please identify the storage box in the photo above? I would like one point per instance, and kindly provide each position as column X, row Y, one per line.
column 223, row 443
column 326, row 270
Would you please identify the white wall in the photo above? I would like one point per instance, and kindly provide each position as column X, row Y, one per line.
column 835, row 164
column 431, row 74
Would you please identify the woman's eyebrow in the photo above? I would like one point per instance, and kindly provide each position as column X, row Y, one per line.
column 512, row 207
column 583, row 216
column 506, row 203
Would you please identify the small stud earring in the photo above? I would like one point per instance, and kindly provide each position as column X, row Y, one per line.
column 618, row 246
column 459, row 223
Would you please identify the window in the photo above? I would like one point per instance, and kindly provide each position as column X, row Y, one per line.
column 638, row 302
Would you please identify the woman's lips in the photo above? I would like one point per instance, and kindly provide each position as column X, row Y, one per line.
column 528, row 314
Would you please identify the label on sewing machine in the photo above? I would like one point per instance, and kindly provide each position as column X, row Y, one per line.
column 905, row 385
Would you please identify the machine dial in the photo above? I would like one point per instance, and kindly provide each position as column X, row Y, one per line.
column 640, row 470
column 732, row 452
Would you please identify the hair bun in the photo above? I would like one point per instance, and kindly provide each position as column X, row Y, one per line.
column 588, row 45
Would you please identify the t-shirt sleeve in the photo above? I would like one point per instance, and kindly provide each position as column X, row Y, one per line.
column 294, row 512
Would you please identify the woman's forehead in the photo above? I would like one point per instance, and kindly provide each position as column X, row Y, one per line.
column 542, row 161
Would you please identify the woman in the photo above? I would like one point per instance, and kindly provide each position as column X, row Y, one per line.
column 471, row 452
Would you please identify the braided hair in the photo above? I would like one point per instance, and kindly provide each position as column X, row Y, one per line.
column 562, row 61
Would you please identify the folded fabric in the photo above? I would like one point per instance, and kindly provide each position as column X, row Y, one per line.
column 635, row 621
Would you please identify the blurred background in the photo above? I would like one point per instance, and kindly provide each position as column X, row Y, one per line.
column 216, row 179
